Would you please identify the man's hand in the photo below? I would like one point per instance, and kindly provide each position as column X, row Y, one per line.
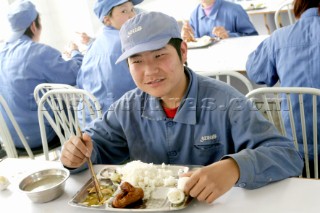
column 210, row 182
column 68, row 50
column 83, row 38
column 220, row 32
column 187, row 32
column 75, row 151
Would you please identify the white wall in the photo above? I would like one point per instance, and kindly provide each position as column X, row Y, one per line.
column 179, row 9
column 3, row 19
column 60, row 20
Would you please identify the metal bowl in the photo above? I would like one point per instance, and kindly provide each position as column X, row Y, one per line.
column 45, row 185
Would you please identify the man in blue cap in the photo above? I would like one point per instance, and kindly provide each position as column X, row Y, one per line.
column 176, row 116
column 99, row 74
column 25, row 63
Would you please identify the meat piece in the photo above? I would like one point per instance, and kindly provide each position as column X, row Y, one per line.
column 129, row 194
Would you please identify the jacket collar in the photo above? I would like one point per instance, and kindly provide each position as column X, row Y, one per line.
column 214, row 11
column 310, row 12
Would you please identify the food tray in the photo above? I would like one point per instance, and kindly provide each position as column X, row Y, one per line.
column 157, row 202
column 201, row 42
column 256, row 6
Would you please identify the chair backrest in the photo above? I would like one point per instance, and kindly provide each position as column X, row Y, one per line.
column 5, row 134
column 41, row 89
column 65, row 104
column 294, row 99
column 232, row 78
column 287, row 6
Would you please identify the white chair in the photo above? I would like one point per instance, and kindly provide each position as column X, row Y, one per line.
column 232, row 78
column 5, row 134
column 286, row 6
column 64, row 105
column 41, row 89
column 273, row 97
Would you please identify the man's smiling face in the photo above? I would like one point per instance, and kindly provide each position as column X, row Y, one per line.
column 160, row 73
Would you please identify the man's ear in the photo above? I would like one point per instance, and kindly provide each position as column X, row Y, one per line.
column 184, row 51
column 33, row 28
column 106, row 20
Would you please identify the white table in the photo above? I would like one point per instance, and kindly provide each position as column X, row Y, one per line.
column 229, row 54
column 290, row 195
column 270, row 9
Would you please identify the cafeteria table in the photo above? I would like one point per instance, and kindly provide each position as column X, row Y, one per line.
column 229, row 54
column 269, row 9
column 294, row 195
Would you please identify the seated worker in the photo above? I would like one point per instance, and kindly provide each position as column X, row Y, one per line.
column 291, row 56
column 176, row 116
column 99, row 74
column 84, row 40
column 218, row 18
column 25, row 63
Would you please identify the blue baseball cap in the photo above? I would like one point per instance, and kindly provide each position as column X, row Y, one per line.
column 146, row 32
column 20, row 16
column 102, row 7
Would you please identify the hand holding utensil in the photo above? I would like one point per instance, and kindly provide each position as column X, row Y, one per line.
column 93, row 175
column 220, row 32
column 187, row 32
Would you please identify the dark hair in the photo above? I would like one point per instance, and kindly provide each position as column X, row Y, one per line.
column 302, row 5
column 176, row 43
column 29, row 32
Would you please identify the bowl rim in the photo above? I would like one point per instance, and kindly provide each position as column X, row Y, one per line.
column 65, row 177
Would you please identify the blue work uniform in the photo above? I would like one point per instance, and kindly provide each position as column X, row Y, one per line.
column 23, row 65
column 100, row 75
column 291, row 55
column 214, row 121
column 229, row 15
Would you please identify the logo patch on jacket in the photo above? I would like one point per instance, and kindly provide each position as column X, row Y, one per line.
column 208, row 138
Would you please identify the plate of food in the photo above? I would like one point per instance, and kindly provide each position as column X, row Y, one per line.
column 136, row 186
column 255, row 6
column 200, row 42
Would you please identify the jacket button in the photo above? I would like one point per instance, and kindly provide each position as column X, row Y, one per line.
column 170, row 124
column 172, row 153
column 242, row 185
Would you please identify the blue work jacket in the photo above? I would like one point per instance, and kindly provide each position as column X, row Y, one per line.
column 100, row 75
column 291, row 55
column 213, row 122
column 23, row 65
column 229, row 15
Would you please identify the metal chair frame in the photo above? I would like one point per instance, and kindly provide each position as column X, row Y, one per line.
column 65, row 104
column 6, row 135
column 229, row 75
column 287, row 5
column 274, row 94
column 41, row 89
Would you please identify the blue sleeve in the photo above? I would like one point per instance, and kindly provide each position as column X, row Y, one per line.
column 261, row 64
column 109, row 141
column 194, row 23
column 231, row 16
column 77, row 57
column 243, row 25
column 261, row 152
column 57, row 69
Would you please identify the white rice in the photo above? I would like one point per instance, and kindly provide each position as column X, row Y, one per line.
column 147, row 176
